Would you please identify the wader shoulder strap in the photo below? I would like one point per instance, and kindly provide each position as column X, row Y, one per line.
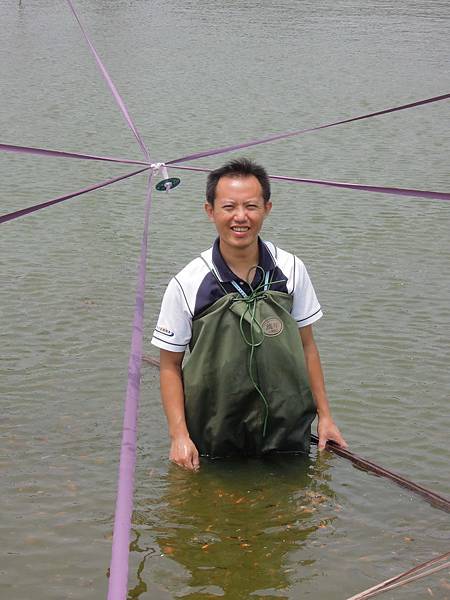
column 215, row 275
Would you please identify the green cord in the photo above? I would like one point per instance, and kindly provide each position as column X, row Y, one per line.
column 250, row 301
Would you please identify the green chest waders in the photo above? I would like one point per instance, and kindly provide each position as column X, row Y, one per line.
column 245, row 382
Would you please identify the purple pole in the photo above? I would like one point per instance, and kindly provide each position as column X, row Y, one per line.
column 111, row 85
column 395, row 191
column 282, row 136
column 118, row 579
column 64, row 154
column 96, row 186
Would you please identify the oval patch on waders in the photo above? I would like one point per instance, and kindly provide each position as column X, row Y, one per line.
column 272, row 326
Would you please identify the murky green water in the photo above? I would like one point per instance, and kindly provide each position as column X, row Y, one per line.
column 196, row 75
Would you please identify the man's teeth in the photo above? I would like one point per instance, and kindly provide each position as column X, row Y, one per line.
column 240, row 229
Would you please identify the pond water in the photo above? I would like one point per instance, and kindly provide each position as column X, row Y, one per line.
column 196, row 75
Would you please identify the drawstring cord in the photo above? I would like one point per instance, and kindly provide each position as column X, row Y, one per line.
column 256, row 331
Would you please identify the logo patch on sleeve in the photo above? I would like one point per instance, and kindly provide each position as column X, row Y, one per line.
column 165, row 331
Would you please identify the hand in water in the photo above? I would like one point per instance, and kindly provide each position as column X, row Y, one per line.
column 327, row 430
column 184, row 453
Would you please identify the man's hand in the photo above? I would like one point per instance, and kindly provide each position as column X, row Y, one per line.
column 327, row 430
column 184, row 453
column 182, row 449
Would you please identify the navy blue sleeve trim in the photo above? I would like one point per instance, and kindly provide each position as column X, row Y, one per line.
column 293, row 279
column 274, row 258
column 184, row 296
column 166, row 342
column 306, row 318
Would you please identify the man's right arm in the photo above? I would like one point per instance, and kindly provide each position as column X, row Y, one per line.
column 182, row 449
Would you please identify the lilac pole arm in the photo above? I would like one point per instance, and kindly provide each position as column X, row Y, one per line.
column 117, row 97
column 118, row 579
column 30, row 209
column 282, row 136
column 395, row 191
column 63, row 154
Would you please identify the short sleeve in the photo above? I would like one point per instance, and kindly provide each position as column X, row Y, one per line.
column 174, row 327
column 306, row 308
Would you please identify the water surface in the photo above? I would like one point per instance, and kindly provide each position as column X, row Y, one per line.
column 196, row 75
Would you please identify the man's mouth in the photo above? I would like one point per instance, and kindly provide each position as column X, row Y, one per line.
column 240, row 229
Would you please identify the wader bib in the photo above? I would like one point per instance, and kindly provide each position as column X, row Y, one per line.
column 226, row 415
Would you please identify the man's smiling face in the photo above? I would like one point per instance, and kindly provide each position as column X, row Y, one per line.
column 239, row 211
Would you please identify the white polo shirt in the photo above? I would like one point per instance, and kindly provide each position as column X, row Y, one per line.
column 207, row 278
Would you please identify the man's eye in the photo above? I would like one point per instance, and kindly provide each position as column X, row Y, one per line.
column 227, row 207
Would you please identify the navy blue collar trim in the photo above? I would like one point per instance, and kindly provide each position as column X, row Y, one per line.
column 266, row 261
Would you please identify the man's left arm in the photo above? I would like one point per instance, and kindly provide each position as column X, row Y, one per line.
column 326, row 427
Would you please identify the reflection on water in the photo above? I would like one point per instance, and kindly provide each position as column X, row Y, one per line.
column 232, row 526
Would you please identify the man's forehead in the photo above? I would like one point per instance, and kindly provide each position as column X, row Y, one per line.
column 238, row 186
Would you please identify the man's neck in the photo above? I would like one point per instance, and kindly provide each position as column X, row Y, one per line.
column 241, row 260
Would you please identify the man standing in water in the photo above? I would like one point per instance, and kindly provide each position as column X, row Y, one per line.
column 253, row 382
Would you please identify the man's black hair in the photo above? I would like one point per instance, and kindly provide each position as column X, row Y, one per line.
column 240, row 167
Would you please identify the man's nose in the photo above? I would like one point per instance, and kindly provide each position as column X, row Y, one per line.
column 241, row 213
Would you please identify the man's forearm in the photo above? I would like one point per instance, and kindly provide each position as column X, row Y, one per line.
column 172, row 395
column 316, row 380
column 182, row 449
column 326, row 428
column 314, row 371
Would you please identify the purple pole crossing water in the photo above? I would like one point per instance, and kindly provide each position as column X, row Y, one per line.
column 118, row 578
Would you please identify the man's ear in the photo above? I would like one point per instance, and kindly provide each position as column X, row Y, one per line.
column 268, row 207
column 209, row 211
